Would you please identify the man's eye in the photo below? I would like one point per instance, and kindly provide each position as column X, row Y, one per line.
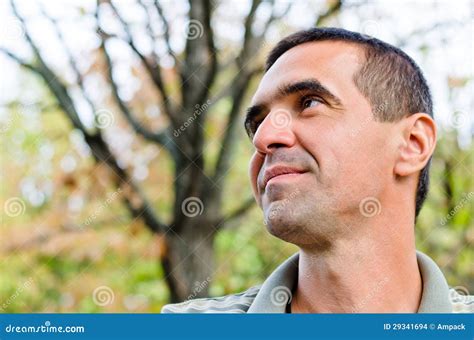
column 310, row 102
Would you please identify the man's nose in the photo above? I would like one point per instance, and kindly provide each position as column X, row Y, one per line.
column 274, row 131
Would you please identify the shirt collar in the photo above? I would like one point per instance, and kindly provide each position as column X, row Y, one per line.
column 275, row 293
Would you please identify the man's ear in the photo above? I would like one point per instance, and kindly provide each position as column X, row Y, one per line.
column 418, row 144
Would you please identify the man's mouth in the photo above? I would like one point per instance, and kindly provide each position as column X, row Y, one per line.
column 280, row 172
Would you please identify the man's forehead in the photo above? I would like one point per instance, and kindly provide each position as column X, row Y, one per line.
column 331, row 62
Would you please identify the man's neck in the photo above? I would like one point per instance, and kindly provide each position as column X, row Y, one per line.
column 359, row 276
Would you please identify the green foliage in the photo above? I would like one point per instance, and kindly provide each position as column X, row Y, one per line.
column 59, row 273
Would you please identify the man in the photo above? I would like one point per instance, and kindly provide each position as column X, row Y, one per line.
column 343, row 130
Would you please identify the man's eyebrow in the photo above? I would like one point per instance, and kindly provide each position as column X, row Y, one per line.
column 252, row 112
column 311, row 84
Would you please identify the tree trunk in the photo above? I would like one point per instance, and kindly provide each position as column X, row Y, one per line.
column 189, row 260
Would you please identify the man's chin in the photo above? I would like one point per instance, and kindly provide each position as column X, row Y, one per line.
column 282, row 223
column 292, row 227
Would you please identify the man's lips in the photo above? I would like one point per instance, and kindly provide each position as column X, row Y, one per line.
column 279, row 170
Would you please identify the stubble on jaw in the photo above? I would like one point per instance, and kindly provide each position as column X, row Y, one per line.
column 296, row 220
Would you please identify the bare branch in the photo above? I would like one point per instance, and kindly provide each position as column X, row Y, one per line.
column 211, row 48
column 133, row 197
column 226, row 221
column 250, row 47
column 20, row 61
column 166, row 34
column 52, row 81
column 228, row 90
column 149, row 29
column 253, row 43
column 102, row 153
column 151, row 65
column 248, row 35
column 136, row 200
column 137, row 126
column 334, row 7
column 200, row 58
column 72, row 62
column 239, row 90
column 238, row 86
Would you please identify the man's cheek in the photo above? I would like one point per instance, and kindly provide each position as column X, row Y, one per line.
column 254, row 169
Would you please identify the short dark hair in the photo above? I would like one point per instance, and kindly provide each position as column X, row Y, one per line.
column 391, row 81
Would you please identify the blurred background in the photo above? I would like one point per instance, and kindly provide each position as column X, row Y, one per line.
column 124, row 160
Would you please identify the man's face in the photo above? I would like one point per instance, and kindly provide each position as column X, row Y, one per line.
column 319, row 152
